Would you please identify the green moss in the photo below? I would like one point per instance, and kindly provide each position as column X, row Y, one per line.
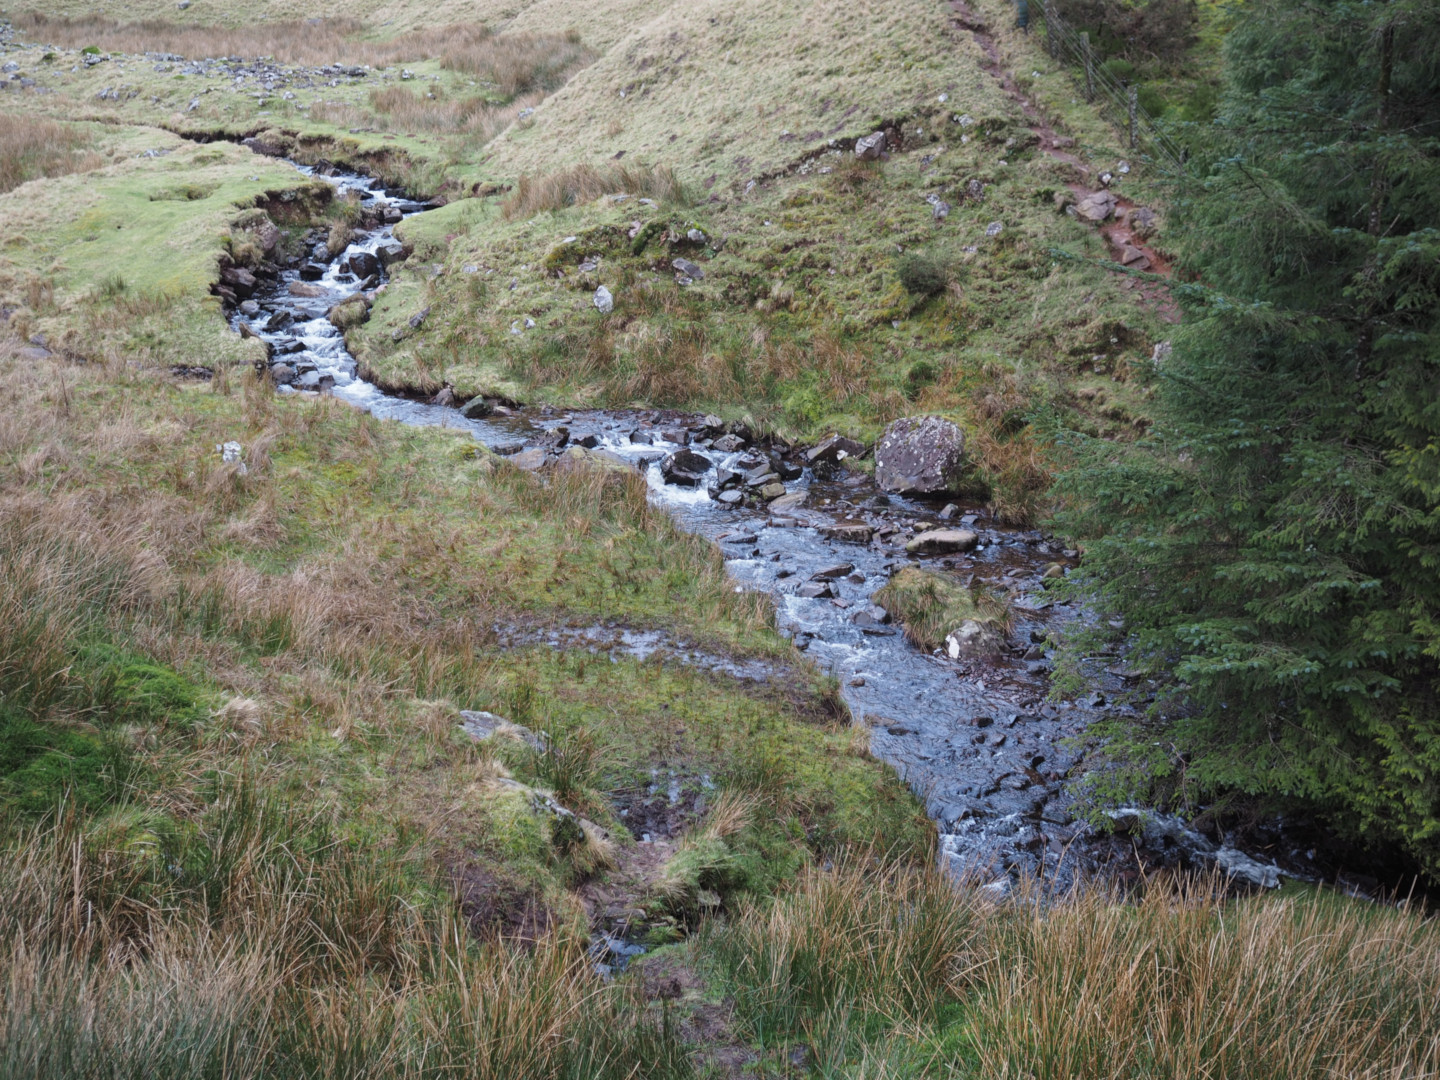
column 131, row 690
column 42, row 764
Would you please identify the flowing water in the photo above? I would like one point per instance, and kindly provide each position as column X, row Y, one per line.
column 977, row 739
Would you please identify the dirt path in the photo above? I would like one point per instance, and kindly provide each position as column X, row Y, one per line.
column 1127, row 246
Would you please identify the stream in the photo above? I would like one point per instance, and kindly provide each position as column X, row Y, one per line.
column 976, row 738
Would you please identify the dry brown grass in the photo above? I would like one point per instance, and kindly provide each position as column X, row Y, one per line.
column 32, row 147
column 1014, row 465
column 512, row 64
column 342, row 611
column 585, row 183
column 519, row 63
column 866, row 936
column 472, row 117
column 323, row 41
column 1185, row 985
column 1180, row 983
column 261, row 959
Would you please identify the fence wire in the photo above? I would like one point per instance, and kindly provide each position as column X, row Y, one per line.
column 1118, row 101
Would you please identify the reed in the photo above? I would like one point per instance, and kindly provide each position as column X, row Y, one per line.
column 586, row 183
column 32, row 147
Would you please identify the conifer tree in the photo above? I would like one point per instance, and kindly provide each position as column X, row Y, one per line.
column 1274, row 546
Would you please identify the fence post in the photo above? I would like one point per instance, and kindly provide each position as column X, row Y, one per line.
column 1134, row 107
column 1089, row 66
column 1051, row 45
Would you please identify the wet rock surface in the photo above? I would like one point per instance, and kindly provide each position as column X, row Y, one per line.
column 920, row 455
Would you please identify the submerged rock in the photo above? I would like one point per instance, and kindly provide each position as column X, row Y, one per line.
column 847, row 532
column 788, row 503
column 816, row 590
column 477, row 408
column 1168, row 829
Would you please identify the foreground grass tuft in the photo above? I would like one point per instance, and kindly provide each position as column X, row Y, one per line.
column 900, row 972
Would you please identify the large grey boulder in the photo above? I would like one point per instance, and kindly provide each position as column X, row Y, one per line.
column 920, row 455
column 870, row 147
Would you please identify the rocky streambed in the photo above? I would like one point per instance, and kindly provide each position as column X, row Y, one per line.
column 970, row 725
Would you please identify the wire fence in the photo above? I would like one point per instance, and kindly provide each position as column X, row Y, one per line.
column 1120, row 102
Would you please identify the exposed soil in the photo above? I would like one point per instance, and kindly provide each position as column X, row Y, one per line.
column 613, row 901
column 498, row 909
column 709, row 1026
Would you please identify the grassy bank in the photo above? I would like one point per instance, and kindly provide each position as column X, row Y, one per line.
column 577, row 153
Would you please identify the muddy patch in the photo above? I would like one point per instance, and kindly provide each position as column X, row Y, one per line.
column 497, row 909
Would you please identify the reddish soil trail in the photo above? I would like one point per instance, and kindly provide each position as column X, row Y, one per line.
column 1127, row 245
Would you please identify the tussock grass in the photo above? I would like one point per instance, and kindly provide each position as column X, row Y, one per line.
column 891, row 942
column 518, row 64
column 258, row 948
column 474, row 118
column 60, row 575
column 32, row 147
column 1183, row 985
column 916, row 978
column 931, row 605
column 582, row 184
